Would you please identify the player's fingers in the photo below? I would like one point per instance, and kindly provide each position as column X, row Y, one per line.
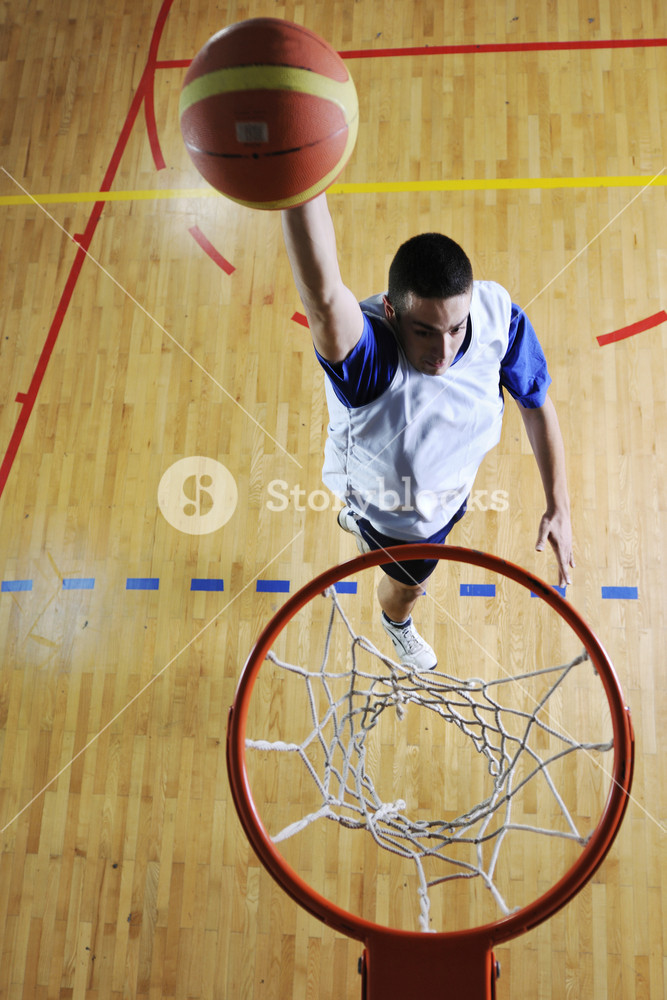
column 562, row 551
column 565, row 560
column 542, row 534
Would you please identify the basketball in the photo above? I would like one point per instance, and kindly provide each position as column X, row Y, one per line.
column 269, row 113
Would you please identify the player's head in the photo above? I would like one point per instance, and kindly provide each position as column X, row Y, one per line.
column 428, row 300
column 429, row 266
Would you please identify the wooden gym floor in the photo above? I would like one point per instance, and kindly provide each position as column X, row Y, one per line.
column 145, row 322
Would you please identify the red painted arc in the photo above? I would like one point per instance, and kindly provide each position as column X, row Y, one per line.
column 209, row 249
column 633, row 329
column 397, row 958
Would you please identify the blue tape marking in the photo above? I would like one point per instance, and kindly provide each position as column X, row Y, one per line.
column 82, row 583
column 142, row 583
column 620, row 593
column 560, row 590
column 478, row 590
column 12, row 586
column 283, row 586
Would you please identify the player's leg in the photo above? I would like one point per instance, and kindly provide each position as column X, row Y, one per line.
column 402, row 583
column 397, row 598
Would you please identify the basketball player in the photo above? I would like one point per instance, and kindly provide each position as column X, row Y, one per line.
column 414, row 386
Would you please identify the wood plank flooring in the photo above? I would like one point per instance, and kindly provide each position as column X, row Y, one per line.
column 537, row 137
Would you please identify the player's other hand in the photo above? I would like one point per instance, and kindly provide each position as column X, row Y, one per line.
column 556, row 529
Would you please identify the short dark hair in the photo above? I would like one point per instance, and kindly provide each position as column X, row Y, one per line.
column 431, row 266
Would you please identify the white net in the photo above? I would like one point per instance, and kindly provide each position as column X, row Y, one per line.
column 520, row 741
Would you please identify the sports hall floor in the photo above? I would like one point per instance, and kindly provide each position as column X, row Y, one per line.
column 145, row 321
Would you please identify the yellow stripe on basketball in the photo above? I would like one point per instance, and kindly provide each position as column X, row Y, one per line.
column 239, row 78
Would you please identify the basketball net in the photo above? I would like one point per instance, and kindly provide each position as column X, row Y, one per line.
column 518, row 746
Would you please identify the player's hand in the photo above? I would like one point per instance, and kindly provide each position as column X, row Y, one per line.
column 556, row 529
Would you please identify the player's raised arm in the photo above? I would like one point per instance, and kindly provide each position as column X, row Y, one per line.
column 333, row 313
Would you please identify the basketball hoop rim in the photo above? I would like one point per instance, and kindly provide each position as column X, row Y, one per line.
column 506, row 927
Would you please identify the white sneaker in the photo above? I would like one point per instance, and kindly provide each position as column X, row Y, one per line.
column 412, row 650
column 348, row 522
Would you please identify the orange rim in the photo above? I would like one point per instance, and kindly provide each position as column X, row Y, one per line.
column 523, row 919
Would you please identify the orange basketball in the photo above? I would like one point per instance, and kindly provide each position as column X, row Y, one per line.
column 268, row 113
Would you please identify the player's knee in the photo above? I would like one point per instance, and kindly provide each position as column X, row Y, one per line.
column 405, row 589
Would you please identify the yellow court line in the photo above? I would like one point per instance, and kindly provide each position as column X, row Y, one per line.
column 496, row 184
column 390, row 187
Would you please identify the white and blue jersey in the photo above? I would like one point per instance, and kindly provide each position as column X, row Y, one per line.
column 403, row 448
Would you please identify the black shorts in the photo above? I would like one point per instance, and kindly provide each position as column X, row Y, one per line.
column 414, row 570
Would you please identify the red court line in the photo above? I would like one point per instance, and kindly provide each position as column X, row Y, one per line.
column 448, row 50
column 630, row 331
column 144, row 94
column 151, row 123
column 472, row 49
column 28, row 399
column 208, row 248
column 300, row 318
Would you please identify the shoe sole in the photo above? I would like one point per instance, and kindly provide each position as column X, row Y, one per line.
column 362, row 544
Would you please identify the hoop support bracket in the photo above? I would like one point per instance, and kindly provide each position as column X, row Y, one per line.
column 429, row 966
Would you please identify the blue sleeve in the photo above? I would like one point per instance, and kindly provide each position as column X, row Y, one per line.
column 369, row 367
column 523, row 370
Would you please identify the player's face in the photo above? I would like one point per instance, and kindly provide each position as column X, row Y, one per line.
column 431, row 331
